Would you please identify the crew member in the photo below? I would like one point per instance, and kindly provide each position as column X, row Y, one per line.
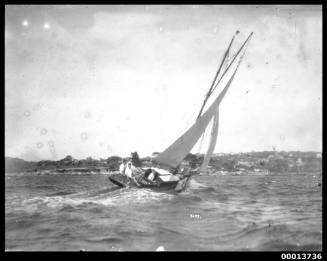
column 122, row 167
column 130, row 171
column 153, row 175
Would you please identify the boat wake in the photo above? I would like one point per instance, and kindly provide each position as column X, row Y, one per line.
column 194, row 185
column 104, row 197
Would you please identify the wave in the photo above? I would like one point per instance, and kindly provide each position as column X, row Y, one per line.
column 193, row 185
column 104, row 197
column 105, row 240
column 255, row 237
column 61, row 193
column 280, row 245
column 44, row 187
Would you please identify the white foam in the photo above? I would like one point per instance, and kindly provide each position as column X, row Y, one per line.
column 193, row 184
column 123, row 197
column 135, row 196
column 160, row 248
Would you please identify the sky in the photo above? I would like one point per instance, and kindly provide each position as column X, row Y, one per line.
column 108, row 80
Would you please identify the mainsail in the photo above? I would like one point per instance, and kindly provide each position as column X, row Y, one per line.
column 176, row 152
column 214, row 129
column 212, row 143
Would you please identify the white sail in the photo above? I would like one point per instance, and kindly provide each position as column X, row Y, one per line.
column 212, row 143
column 176, row 152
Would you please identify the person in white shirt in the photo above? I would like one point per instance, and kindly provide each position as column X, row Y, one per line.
column 130, row 171
column 152, row 175
column 122, row 167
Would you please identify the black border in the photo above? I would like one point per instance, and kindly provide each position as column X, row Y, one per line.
column 241, row 255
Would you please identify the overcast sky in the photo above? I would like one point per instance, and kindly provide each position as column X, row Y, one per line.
column 107, row 80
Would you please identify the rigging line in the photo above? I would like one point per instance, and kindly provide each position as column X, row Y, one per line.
column 216, row 76
column 238, row 52
column 213, row 138
column 214, row 130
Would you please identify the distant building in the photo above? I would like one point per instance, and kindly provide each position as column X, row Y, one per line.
column 245, row 163
column 262, row 161
column 220, row 154
column 299, row 162
column 271, row 157
column 257, row 170
column 319, row 155
column 279, row 157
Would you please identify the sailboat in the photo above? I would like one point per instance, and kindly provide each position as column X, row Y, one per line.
column 169, row 175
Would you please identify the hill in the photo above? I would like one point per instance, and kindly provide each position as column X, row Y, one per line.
column 18, row 165
column 272, row 161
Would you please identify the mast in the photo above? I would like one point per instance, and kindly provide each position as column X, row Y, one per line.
column 214, row 134
column 235, row 56
column 238, row 52
column 177, row 151
column 217, row 73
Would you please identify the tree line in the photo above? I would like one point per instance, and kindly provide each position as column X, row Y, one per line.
column 266, row 160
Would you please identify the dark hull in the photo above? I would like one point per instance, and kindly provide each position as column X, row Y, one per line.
column 122, row 181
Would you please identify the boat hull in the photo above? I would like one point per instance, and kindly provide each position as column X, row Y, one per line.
column 123, row 181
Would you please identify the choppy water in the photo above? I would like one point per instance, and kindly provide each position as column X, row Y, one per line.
column 244, row 213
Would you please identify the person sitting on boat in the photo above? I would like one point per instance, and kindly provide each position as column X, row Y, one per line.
column 176, row 170
column 130, row 171
column 153, row 175
column 147, row 172
column 122, row 167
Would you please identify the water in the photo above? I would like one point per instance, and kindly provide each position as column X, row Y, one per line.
column 221, row 213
